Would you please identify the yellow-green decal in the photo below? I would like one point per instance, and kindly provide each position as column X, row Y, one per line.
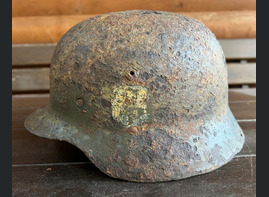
column 129, row 105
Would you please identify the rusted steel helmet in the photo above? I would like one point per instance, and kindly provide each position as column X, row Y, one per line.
column 143, row 94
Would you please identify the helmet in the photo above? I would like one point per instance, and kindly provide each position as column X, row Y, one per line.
column 143, row 94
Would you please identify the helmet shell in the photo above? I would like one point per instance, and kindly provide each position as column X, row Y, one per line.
column 144, row 94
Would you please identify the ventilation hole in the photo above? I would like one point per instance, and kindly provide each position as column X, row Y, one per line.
column 132, row 73
column 79, row 102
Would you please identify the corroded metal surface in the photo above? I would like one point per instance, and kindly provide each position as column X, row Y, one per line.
column 143, row 94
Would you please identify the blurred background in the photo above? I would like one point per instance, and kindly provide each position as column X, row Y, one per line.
column 37, row 25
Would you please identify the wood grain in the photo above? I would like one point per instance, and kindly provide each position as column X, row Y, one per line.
column 30, row 79
column 26, row 101
column 30, row 149
column 41, row 54
column 32, row 54
column 243, row 110
column 249, row 129
column 49, row 29
column 239, row 48
column 74, row 7
column 241, row 73
column 239, row 94
column 237, row 178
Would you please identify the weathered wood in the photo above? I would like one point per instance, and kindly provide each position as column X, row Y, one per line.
column 29, row 101
column 18, row 117
column 237, row 178
column 239, row 48
column 249, row 147
column 244, row 110
column 73, row 7
column 36, row 54
column 242, row 93
column 49, row 29
column 32, row 54
column 38, row 79
column 30, row 79
column 242, row 73
column 30, row 149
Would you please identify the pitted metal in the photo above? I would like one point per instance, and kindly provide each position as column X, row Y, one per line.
column 144, row 94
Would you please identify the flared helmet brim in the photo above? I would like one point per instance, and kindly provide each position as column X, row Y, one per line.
column 224, row 139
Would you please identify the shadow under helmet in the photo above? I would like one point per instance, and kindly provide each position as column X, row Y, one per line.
column 144, row 94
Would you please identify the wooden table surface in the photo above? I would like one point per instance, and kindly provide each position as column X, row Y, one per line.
column 43, row 167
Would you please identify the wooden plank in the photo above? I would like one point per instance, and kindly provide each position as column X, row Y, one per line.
column 49, row 29
column 239, row 48
column 36, row 54
column 18, row 117
column 244, row 110
column 30, row 101
column 32, row 54
column 249, row 147
column 247, row 93
column 30, row 79
column 237, row 178
column 241, row 73
column 38, row 79
column 30, row 149
column 73, row 7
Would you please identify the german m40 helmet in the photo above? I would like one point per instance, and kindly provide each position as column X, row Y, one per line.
column 144, row 94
